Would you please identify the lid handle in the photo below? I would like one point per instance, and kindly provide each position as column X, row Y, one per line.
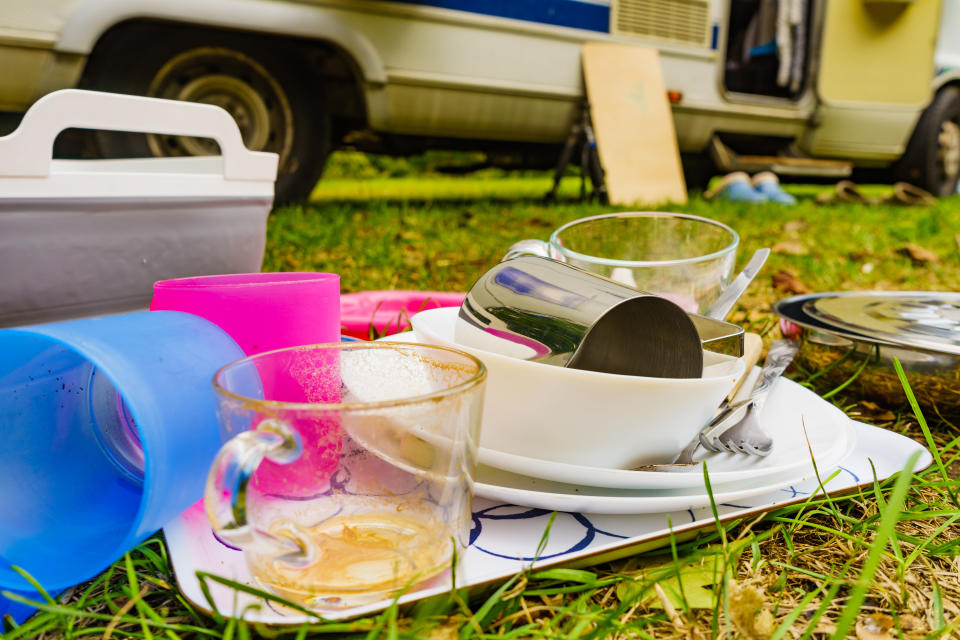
column 27, row 152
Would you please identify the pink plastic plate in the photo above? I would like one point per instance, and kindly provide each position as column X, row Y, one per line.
column 372, row 314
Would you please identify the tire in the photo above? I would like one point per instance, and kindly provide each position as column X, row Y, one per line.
column 262, row 83
column 932, row 158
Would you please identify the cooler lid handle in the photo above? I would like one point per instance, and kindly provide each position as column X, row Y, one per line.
column 27, row 151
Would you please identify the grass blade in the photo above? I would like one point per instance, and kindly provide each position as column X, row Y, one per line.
column 888, row 521
column 931, row 445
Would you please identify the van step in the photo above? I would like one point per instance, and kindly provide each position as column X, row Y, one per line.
column 728, row 160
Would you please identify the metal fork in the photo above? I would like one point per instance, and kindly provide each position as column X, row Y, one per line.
column 739, row 431
column 735, row 428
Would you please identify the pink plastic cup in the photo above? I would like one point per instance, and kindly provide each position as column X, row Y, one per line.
column 264, row 312
column 261, row 311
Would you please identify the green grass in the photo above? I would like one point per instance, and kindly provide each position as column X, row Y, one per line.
column 810, row 570
column 437, row 233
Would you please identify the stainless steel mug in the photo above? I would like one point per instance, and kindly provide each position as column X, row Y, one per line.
column 548, row 311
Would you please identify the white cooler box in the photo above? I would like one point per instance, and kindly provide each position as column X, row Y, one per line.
column 85, row 237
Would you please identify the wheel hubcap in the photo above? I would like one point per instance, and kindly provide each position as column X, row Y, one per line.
column 240, row 100
column 234, row 82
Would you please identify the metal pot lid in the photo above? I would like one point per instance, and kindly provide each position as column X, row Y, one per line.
column 926, row 320
column 791, row 309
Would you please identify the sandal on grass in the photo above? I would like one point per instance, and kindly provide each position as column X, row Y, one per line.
column 735, row 187
column 908, row 194
column 844, row 191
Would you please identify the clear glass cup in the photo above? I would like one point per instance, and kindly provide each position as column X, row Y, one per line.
column 685, row 258
column 389, row 494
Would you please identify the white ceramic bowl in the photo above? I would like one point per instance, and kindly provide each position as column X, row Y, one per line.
column 586, row 417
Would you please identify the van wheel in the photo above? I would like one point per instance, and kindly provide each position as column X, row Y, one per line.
column 932, row 157
column 276, row 108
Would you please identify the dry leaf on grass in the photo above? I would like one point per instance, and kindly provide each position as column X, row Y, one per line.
column 749, row 614
column 790, row 247
column 876, row 626
column 794, row 226
column 448, row 631
column 918, row 254
column 825, row 627
column 912, row 626
column 785, row 281
column 880, row 626
column 877, row 412
column 694, row 587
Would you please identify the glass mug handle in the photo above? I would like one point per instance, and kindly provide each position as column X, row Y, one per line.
column 226, row 495
column 532, row 248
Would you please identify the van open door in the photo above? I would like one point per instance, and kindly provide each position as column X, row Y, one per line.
column 873, row 77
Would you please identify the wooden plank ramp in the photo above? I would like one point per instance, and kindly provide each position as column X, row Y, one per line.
column 633, row 124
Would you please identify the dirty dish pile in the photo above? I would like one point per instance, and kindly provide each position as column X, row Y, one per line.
column 345, row 471
column 580, row 398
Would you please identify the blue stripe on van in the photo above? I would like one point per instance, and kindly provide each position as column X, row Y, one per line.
column 563, row 13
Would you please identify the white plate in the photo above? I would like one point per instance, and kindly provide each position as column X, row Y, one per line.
column 497, row 484
column 789, row 409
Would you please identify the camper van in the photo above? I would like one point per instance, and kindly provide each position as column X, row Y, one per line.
column 803, row 87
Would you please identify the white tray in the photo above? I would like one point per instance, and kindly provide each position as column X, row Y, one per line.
column 504, row 539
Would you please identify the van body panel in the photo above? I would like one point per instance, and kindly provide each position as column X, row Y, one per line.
column 510, row 71
column 878, row 52
column 862, row 132
column 874, row 78
column 38, row 72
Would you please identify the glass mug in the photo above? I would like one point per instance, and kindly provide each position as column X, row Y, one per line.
column 685, row 258
column 389, row 499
